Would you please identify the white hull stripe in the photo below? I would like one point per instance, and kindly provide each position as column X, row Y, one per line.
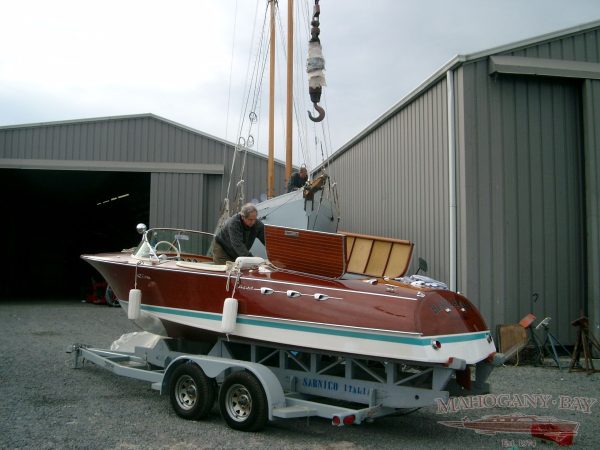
column 425, row 341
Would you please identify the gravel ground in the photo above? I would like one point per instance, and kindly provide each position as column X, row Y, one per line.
column 44, row 403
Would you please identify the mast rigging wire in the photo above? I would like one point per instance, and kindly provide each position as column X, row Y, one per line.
column 254, row 87
column 251, row 83
column 251, row 77
column 231, row 67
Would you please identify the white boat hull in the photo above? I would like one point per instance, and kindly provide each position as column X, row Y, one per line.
column 365, row 342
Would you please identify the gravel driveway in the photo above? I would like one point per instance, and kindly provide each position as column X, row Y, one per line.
column 44, row 403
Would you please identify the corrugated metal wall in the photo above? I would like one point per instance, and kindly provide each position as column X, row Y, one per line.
column 523, row 211
column 523, row 200
column 179, row 197
column 591, row 100
column 394, row 182
column 166, row 208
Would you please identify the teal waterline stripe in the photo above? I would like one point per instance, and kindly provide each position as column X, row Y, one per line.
column 313, row 329
column 185, row 312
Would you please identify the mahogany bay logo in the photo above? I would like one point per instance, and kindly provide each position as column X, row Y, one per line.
column 538, row 426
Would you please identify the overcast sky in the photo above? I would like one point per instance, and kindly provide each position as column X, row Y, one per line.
column 187, row 60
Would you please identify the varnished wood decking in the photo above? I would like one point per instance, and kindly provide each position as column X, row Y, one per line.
column 331, row 255
column 306, row 251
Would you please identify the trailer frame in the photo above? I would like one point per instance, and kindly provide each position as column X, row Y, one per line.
column 292, row 382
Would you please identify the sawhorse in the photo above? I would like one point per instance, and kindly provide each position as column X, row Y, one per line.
column 585, row 343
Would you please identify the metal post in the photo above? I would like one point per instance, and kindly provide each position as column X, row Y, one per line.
column 271, row 162
column 290, row 80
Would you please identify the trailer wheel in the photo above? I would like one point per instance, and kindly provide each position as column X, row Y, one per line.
column 192, row 393
column 243, row 402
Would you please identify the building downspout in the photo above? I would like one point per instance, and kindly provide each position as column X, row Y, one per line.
column 451, row 177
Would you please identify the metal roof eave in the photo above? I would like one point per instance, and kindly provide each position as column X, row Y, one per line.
column 520, row 65
column 534, row 40
column 136, row 116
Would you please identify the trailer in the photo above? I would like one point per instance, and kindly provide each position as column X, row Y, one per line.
column 255, row 382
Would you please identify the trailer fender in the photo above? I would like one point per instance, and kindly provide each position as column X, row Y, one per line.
column 214, row 366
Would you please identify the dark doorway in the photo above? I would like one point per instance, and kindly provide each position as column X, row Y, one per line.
column 52, row 217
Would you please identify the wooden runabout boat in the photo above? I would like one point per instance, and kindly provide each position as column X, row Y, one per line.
column 320, row 290
column 317, row 315
column 334, row 292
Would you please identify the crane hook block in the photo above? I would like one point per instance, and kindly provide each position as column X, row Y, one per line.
column 321, row 115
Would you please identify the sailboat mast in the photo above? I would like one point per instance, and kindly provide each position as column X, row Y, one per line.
column 290, row 82
column 271, row 161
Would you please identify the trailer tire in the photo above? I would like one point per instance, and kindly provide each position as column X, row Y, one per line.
column 243, row 403
column 192, row 393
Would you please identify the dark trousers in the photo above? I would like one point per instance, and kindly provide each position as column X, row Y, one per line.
column 219, row 255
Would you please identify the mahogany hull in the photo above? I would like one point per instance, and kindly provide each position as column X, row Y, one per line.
column 386, row 319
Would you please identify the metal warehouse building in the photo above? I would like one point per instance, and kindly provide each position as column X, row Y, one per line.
column 81, row 186
column 492, row 168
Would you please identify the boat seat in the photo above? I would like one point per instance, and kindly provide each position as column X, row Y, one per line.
column 377, row 256
column 211, row 267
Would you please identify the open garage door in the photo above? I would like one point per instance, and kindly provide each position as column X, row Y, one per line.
column 52, row 217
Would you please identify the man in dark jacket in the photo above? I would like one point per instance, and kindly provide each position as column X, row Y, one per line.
column 237, row 235
column 298, row 179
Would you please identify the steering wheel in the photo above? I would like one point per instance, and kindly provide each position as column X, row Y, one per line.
column 170, row 245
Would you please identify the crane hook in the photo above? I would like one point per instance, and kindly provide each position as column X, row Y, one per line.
column 321, row 115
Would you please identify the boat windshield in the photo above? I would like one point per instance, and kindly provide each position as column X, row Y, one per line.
column 175, row 243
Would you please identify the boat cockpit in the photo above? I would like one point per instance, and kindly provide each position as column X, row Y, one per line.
column 329, row 255
column 165, row 244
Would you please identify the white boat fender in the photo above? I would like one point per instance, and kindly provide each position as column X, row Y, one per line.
column 134, row 306
column 230, row 308
column 248, row 262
